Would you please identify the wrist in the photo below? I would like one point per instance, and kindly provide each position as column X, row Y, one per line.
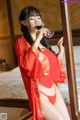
column 36, row 43
column 59, row 56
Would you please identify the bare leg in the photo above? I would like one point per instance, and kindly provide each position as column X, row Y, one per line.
column 60, row 105
column 49, row 110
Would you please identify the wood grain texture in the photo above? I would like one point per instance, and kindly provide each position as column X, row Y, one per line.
column 50, row 11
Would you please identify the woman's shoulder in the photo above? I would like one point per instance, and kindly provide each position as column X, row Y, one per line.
column 22, row 41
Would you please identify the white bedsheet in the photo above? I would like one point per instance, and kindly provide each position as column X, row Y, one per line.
column 11, row 85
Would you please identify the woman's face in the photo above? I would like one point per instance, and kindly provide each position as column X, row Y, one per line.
column 34, row 21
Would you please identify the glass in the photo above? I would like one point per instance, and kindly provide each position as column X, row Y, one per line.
column 49, row 34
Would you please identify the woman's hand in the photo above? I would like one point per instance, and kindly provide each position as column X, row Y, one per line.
column 61, row 49
column 39, row 35
column 41, row 32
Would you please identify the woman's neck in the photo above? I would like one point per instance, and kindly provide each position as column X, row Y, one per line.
column 33, row 34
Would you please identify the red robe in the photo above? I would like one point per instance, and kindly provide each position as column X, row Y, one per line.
column 34, row 65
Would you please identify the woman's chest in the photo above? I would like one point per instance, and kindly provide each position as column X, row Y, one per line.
column 49, row 61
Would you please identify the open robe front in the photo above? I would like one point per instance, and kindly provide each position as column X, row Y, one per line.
column 35, row 65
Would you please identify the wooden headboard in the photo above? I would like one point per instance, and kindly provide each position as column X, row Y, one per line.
column 58, row 34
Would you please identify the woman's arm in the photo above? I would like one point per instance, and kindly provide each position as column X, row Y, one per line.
column 61, row 49
column 39, row 35
column 59, row 57
column 28, row 59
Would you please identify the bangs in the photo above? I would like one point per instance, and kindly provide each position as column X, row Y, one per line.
column 29, row 11
column 34, row 13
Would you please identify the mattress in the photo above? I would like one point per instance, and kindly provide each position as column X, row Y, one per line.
column 11, row 85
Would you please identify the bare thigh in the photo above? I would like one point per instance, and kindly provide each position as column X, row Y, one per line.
column 49, row 110
column 60, row 105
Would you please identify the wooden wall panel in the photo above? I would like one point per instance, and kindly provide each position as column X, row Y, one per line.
column 75, row 15
column 50, row 11
column 6, row 52
column 4, row 26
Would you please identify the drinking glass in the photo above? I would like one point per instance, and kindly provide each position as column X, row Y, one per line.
column 49, row 33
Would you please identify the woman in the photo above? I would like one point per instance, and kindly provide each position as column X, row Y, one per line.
column 41, row 68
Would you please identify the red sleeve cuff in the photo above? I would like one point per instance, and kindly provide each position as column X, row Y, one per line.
column 63, row 74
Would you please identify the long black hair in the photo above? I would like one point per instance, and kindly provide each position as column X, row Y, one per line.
column 25, row 13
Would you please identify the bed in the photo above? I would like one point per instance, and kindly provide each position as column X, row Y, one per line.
column 12, row 90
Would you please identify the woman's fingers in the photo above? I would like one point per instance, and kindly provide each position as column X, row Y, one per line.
column 60, row 42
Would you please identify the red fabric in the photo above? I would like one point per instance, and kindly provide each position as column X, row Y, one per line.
column 32, row 70
column 62, row 77
column 52, row 99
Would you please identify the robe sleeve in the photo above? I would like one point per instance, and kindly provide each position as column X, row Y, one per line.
column 61, row 73
column 28, row 60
